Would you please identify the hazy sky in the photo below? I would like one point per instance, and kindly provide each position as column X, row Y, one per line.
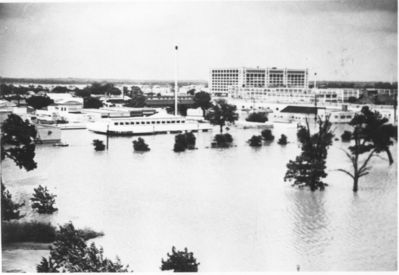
column 341, row 40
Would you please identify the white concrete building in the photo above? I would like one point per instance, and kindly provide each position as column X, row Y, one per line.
column 221, row 79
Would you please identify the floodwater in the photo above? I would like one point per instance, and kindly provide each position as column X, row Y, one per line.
column 230, row 207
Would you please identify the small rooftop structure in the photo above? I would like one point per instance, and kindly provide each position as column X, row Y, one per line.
column 301, row 109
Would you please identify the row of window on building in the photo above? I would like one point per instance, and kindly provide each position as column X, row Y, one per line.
column 149, row 122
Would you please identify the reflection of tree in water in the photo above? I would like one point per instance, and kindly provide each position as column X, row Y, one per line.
column 310, row 224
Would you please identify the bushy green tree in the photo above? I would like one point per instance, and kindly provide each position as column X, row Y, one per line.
column 180, row 261
column 371, row 136
column 70, row 253
column 308, row 169
column 43, row 201
column 221, row 113
column 222, row 140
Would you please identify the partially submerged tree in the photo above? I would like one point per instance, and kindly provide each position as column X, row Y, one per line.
column 371, row 136
column 282, row 140
column 255, row 141
column 70, row 253
column 221, row 113
column 222, row 141
column 98, row 145
column 18, row 144
column 267, row 135
column 180, row 261
column 308, row 169
column 43, row 201
column 184, row 141
column 139, row 145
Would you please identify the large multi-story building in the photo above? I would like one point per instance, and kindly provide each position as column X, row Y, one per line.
column 222, row 79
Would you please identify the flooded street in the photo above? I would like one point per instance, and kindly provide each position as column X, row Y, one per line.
column 230, row 207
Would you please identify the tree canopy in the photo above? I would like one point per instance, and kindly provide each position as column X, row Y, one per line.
column 70, row 253
column 18, row 142
column 39, row 102
column 180, row 261
column 92, row 102
column 202, row 100
column 371, row 136
column 221, row 113
column 308, row 169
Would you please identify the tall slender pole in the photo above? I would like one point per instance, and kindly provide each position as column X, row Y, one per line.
column 315, row 97
column 107, row 135
column 176, row 87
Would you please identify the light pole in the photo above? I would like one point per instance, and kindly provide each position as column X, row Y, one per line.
column 176, row 86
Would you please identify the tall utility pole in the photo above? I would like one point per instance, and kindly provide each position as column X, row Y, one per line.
column 315, row 97
column 176, row 87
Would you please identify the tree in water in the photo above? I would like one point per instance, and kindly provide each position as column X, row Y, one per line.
column 139, row 145
column 18, row 142
column 184, row 141
column 255, row 141
column 267, row 135
column 180, row 261
column 371, row 136
column 221, row 113
column 39, row 102
column 70, row 253
column 98, row 145
column 42, row 201
column 308, row 169
column 282, row 140
column 9, row 209
column 202, row 100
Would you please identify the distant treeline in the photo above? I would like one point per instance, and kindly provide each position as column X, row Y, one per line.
column 88, row 81
column 354, row 84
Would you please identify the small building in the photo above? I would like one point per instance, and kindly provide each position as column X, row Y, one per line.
column 47, row 134
column 298, row 114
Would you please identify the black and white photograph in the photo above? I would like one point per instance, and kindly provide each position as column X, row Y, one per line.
column 199, row 136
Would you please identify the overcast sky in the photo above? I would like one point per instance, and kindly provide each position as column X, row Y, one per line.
column 340, row 40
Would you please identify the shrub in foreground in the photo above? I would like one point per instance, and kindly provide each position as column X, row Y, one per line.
column 255, row 141
column 139, row 145
column 70, row 253
column 180, row 261
column 42, row 201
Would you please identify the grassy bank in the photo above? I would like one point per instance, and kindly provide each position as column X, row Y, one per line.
column 37, row 232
